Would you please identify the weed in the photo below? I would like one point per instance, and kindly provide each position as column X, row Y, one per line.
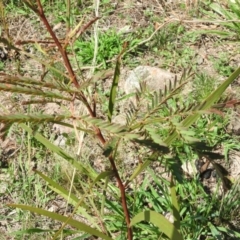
column 221, row 64
column 2, row 66
column 203, row 84
column 109, row 45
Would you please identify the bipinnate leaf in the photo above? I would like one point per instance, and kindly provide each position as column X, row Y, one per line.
column 33, row 91
column 113, row 128
column 39, row 85
column 155, row 136
column 33, row 118
column 206, row 104
column 188, row 121
column 160, row 98
column 74, row 223
column 160, row 221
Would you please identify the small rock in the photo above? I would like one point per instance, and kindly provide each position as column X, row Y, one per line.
column 234, row 161
column 234, row 126
column 169, row 217
column 60, row 141
column 155, row 78
column 3, row 187
column 189, row 168
column 120, row 119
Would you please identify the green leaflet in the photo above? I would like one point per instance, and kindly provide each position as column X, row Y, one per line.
column 113, row 92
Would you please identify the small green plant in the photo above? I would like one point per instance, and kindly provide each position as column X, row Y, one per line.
column 109, row 45
column 221, row 64
column 203, row 85
column 1, row 66
column 167, row 36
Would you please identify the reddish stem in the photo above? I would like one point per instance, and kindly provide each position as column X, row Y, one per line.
column 72, row 75
column 120, row 185
column 59, row 46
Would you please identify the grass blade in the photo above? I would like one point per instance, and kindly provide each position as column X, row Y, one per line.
column 72, row 199
column 113, row 92
column 175, row 206
column 78, row 165
column 160, row 221
column 80, row 226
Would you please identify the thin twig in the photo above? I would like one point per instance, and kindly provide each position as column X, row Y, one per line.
column 59, row 46
column 152, row 35
column 63, row 52
column 177, row 20
column 95, row 38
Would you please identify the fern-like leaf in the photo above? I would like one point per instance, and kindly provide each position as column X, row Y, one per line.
column 33, row 91
column 160, row 97
column 30, row 82
column 33, row 118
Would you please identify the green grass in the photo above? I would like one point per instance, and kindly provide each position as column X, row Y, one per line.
column 1, row 66
column 109, row 46
column 221, row 64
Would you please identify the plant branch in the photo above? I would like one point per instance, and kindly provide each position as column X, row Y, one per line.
column 92, row 113
column 112, row 162
column 63, row 52
column 120, row 186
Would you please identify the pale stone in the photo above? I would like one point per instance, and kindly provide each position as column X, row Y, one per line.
column 169, row 217
column 155, row 78
column 190, row 168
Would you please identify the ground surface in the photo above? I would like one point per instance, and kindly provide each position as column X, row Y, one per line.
column 176, row 44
